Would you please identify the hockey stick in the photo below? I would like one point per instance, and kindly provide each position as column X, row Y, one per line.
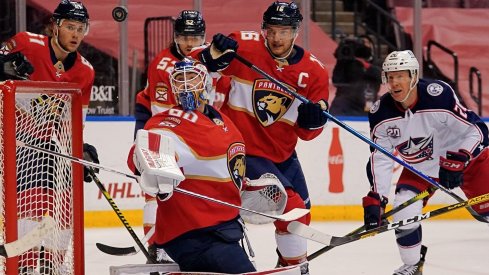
column 362, row 137
column 119, row 214
column 125, row 251
column 29, row 240
column 289, row 216
column 387, row 214
column 330, row 240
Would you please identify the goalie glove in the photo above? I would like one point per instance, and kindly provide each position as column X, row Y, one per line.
column 266, row 195
column 154, row 157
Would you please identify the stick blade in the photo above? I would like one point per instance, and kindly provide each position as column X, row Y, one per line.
column 116, row 251
column 293, row 214
column 309, row 233
column 29, row 240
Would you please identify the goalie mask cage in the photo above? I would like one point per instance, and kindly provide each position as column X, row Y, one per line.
column 34, row 184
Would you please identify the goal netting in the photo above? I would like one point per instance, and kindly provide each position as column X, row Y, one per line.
column 34, row 184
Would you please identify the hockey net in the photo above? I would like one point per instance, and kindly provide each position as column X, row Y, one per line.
column 33, row 183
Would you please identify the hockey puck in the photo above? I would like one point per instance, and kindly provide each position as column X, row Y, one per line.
column 119, row 13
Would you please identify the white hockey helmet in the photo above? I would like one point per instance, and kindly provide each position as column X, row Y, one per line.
column 401, row 61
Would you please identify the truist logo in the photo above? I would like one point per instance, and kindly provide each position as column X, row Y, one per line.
column 102, row 93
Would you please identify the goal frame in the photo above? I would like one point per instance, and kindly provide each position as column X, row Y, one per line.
column 8, row 90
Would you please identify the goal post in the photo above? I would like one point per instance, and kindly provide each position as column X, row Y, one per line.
column 34, row 184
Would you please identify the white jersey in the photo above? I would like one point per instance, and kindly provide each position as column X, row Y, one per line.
column 435, row 124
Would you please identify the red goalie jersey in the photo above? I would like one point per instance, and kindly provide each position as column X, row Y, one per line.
column 266, row 114
column 37, row 49
column 211, row 153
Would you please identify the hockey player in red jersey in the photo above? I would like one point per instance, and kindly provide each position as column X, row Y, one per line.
column 270, row 119
column 55, row 57
column 156, row 97
column 199, row 235
column 48, row 58
column 424, row 121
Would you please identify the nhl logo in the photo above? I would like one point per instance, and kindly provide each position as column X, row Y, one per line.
column 434, row 89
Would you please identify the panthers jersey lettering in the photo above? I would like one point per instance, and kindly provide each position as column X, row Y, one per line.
column 266, row 114
column 437, row 123
column 213, row 165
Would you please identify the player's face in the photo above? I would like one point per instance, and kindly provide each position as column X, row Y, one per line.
column 187, row 42
column 399, row 84
column 187, row 88
column 71, row 34
column 280, row 39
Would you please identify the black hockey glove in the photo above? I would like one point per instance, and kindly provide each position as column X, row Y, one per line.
column 220, row 53
column 15, row 66
column 89, row 154
column 452, row 168
column 311, row 115
column 373, row 209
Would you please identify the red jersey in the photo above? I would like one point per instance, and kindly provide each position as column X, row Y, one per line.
column 267, row 115
column 157, row 96
column 37, row 49
column 211, row 153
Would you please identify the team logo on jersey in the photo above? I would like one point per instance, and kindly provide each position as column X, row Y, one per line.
column 393, row 132
column 270, row 102
column 161, row 92
column 416, row 150
column 434, row 89
column 237, row 163
column 375, row 107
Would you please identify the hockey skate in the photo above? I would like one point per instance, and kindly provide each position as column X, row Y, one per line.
column 416, row 269
column 158, row 255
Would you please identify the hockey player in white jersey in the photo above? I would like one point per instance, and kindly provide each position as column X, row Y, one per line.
column 424, row 121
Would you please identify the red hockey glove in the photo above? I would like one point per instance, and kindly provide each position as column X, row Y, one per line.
column 452, row 168
column 373, row 208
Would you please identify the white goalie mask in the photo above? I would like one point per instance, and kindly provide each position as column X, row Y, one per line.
column 190, row 83
column 401, row 61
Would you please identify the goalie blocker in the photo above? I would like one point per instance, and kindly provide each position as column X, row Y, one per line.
column 154, row 157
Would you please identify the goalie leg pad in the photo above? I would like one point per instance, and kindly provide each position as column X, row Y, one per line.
column 293, row 201
column 291, row 248
column 149, row 216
